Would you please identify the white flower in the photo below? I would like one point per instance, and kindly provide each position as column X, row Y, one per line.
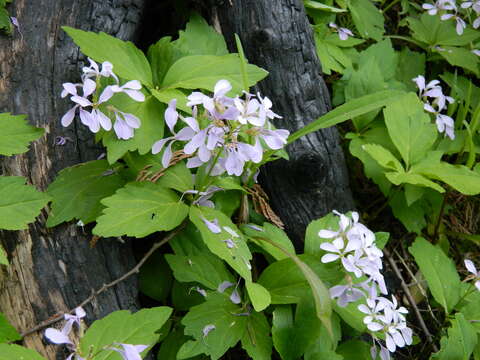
column 345, row 294
column 472, row 269
column 130, row 352
column 444, row 122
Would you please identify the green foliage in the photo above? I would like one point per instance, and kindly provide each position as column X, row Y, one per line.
column 155, row 278
column 177, row 177
column 123, row 327
column 439, row 271
column 19, row 203
column 460, row 342
column 7, row 332
column 140, row 209
column 77, row 191
column 16, row 134
column 367, row 18
column 237, row 257
column 9, row 352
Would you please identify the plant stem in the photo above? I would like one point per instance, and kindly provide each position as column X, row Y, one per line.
column 440, row 215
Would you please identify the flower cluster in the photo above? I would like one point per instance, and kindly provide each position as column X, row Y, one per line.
column 343, row 33
column 437, row 103
column 354, row 245
column 234, row 131
column 90, row 102
column 59, row 337
column 450, row 11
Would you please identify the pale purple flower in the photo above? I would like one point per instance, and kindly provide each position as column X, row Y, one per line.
column 94, row 71
column 200, row 291
column 235, row 297
column 230, row 243
column 472, row 269
column 343, row 33
column 130, row 352
column 224, row 286
column 131, row 88
column 345, row 294
column 275, row 139
column 219, row 106
column 204, row 196
column 249, row 111
column 125, row 124
column 460, row 23
column 445, row 123
column 475, row 5
column 207, row 328
column 439, row 5
column 231, row 231
column 476, row 52
column 212, row 225
column 62, row 336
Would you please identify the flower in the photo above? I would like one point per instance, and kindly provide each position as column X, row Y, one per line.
column 125, row 124
column 472, row 269
column 62, row 336
column 343, row 33
column 444, row 122
column 460, row 23
column 345, row 294
column 129, row 352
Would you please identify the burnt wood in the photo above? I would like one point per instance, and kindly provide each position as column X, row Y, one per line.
column 54, row 269
column 276, row 35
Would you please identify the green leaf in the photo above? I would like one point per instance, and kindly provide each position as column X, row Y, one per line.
column 17, row 352
column 347, row 111
column 203, row 72
column 161, row 56
column 221, row 314
column 256, row 339
column 384, row 157
column 413, row 179
column 319, row 291
column 320, row 6
column 459, row 177
column 151, row 114
column 172, row 343
column 199, row 38
column 184, row 296
column 155, row 278
column 385, row 56
column 3, row 256
column 410, row 64
column 5, row 23
column 140, row 209
column 282, row 330
column 128, row 61
column 77, row 191
column 410, row 128
column 192, row 350
column 412, row 217
column 16, row 134
column 367, row 18
column 123, row 327
column 203, row 268
column 439, row 271
column 460, row 342
column 19, row 203
column 237, row 257
column 177, row 177
column 228, row 183
column 354, row 349
column 462, row 57
column 259, row 296
column 7, row 332
column 292, row 285
column 272, row 233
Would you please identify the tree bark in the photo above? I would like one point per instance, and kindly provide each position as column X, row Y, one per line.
column 276, row 36
column 53, row 270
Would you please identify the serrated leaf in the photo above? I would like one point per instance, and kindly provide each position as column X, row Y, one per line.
column 7, row 332
column 226, row 327
column 199, row 38
column 140, row 209
column 123, row 327
column 77, row 191
column 17, row 352
column 177, row 177
column 312, row 239
column 412, row 217
column 407, row 118
column 19, row 203
column 204, row 268
column 439, row 271
column 239, row 256
column 128, row 61
column 272, row 233
column 259, row 296
column 151, row 115
column 203, row 72
column 16, row 134
column 459, row 56
column 460, row 342
column 256, row 340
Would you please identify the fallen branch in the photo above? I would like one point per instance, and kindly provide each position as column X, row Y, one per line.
column 105, row 287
